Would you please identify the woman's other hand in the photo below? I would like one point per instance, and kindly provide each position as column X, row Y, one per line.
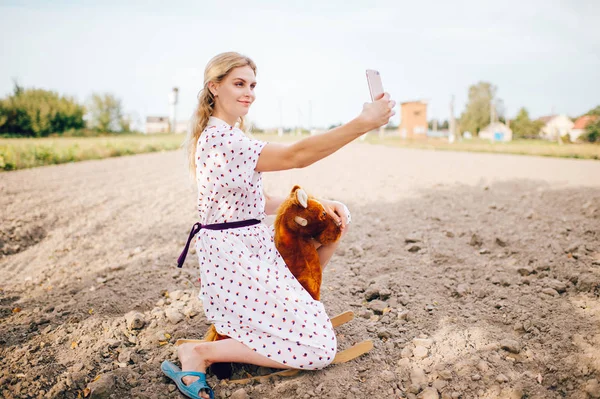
column 377, row 113
column 337, row 211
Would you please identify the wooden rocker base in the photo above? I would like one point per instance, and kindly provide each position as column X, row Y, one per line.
column 341, row 357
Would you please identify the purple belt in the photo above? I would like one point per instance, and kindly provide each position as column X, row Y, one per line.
column 216, row 226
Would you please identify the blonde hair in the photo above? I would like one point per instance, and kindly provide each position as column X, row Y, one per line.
column 216, row 70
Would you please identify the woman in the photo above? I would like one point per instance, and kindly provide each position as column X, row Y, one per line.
column 246, row 289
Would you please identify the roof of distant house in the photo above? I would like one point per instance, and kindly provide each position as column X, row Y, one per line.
column 495, row 125
column 157, row 119
column 546, row 118
column 584, row 120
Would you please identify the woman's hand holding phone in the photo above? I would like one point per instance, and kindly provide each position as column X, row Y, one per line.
column 377, row 113
column 381, row 109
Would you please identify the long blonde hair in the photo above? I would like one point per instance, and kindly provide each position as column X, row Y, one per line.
column 216, row 70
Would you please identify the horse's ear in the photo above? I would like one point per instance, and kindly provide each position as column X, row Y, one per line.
column 299, row 196
column 302, row 198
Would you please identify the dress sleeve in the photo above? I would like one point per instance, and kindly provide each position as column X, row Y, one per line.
column 232, row 153
column 250, row 148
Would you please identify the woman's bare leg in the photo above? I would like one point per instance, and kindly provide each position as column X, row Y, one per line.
column 326, row 251
column 199, row 356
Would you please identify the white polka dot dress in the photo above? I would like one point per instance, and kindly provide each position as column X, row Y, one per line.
column 246, row 289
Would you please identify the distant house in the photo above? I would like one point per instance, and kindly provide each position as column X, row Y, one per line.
column 555, row 126
column 413, row 123
column 496, row 131
column 160, row 124
column 157, row 124
column 580, row 125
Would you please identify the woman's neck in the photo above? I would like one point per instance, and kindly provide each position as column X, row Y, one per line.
column 229, row 119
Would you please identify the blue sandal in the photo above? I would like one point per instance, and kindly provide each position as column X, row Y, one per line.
column 191, row 391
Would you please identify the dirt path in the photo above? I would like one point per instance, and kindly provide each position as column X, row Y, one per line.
column 490, row 265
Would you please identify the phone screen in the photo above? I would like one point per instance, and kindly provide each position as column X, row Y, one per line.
column 375, row 84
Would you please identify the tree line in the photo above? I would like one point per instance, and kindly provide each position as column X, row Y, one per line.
column 483, row 101
column 38, row 113
column 35, row 112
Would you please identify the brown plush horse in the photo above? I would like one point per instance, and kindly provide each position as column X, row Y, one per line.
column 300, row 218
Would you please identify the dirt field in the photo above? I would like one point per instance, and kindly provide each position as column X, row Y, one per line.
column 490, row 265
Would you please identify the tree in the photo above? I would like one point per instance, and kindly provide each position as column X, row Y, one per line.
column 440, row 125
column 391, row 126
column 499, row 110
column 477, row 113
column 105, row 113
column 38, row 112
column 125, row 124
column 525, row 128
column 594, row 111
column 592, row 132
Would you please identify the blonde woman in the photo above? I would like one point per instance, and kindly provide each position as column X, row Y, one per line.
column 246, row 289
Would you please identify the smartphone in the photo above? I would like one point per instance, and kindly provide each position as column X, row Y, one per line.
column 375, row 85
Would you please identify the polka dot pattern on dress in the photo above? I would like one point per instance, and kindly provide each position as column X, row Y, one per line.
column 247, row 290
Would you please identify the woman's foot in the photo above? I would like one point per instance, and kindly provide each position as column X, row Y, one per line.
column 193, row 357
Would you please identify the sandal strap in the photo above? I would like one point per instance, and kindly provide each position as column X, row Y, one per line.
column 201, row 375
column 198, row 385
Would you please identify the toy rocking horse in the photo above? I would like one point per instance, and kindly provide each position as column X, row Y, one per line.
column 300, row 219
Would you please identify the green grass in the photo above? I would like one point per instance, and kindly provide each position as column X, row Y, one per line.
column 21, row 153
column 519, row 147
column 25, row 153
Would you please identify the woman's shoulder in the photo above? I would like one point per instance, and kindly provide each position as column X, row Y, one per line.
column 215, row 132
column 227, row 132
column 217, row 127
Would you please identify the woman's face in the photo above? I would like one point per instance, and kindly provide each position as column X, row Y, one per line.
column 235, row 93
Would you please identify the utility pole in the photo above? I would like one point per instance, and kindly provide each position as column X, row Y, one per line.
column 173, row 106
column 452, row 133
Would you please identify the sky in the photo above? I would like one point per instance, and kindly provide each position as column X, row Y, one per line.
column 311, row 56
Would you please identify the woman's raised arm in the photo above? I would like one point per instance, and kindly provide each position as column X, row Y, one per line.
column 277, row 156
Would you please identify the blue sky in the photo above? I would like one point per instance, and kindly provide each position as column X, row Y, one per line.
column 311, row 55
